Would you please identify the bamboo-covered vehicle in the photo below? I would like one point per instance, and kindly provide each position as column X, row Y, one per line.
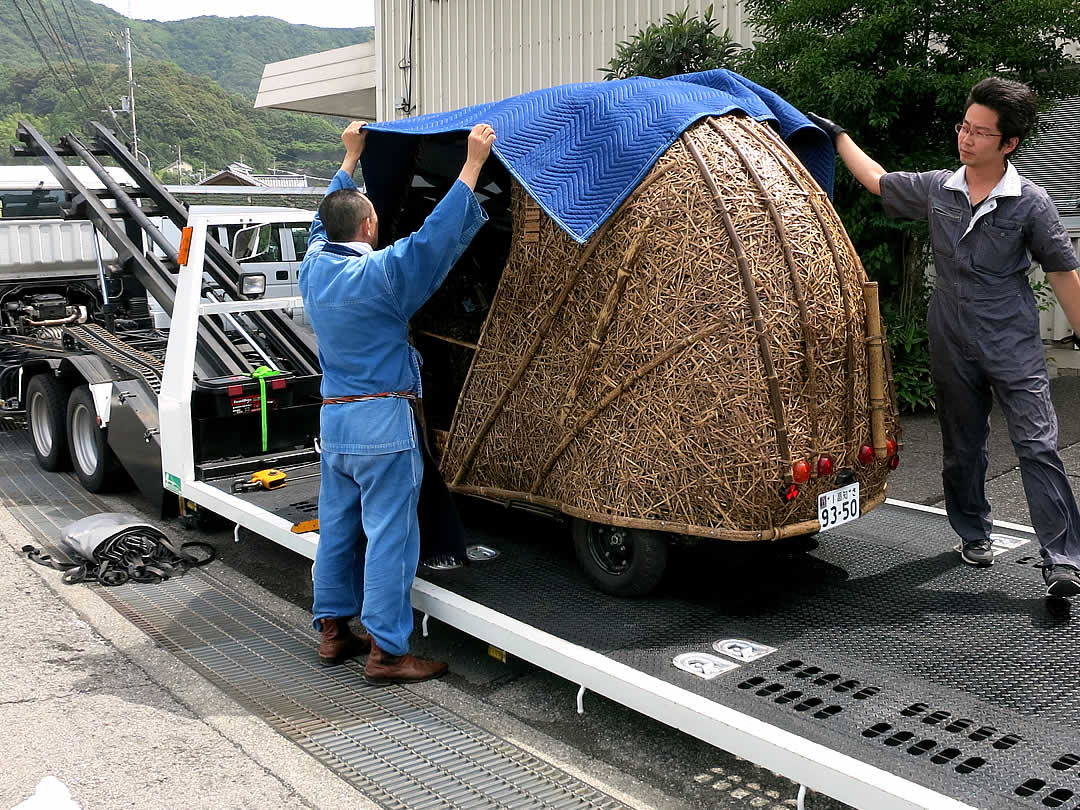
column 708, row 362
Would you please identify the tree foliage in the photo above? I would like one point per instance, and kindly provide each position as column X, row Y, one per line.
column 895, row 74
column 211, row 126
column 679, row 44
column 195, row 81
column 231, row 50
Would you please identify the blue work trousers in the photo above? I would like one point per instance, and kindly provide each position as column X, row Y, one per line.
column 990, row 347
column 369, row 542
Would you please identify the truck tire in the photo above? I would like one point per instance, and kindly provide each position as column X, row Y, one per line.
column 46, row 405
column 622, row 562
column 95, row 463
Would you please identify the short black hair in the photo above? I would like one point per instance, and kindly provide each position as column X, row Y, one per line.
column 341, row 213
column 1016, row 105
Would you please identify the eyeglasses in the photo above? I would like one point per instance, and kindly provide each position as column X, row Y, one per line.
column 964, row 129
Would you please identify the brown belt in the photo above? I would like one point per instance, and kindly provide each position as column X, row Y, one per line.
column 364, row 397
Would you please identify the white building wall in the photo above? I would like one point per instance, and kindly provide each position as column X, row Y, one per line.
column 468, row 52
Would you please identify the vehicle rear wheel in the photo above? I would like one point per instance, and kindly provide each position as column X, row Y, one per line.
column 619, row 561
column 94, row 461
column 46, row 402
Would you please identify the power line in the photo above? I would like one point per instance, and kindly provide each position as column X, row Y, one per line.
column 177, row 101
column 53, row 33
column 61, row 84
column 46, row 26
column 78, row 43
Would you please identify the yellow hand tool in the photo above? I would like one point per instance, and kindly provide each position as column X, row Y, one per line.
column 263, row 479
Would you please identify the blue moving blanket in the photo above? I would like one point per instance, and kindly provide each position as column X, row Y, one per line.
column 580, row 149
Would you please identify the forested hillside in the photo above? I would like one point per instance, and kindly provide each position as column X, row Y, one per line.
column 231, row 50
column 60, row 67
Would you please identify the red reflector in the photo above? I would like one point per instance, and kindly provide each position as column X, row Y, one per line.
column 866, row 455
column 789, row 492
column 890, row 447
column 234, row 390
column 824, row 466
column 277, row 384
column 800, row 473
column 894, row 462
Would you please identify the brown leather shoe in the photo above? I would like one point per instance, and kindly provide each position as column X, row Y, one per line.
column 383, row 669
column 337, row 643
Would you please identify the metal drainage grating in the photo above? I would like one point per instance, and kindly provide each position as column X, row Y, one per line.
column 399, row 749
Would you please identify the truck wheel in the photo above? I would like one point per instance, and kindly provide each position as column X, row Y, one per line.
column 95, row 464
column 46, row 401
column 622, row 562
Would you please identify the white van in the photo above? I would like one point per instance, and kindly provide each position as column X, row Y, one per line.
column 279, row 259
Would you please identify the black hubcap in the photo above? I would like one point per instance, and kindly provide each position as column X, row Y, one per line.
column 610, row 549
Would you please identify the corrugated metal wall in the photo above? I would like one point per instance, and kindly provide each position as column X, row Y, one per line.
column 471, row 51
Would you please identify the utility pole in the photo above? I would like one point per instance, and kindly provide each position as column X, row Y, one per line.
column 131, row 90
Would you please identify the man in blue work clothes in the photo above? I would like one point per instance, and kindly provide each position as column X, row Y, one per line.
column 986, row 223
column 359, row 301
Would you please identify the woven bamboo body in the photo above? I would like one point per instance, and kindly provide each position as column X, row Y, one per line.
column 666, row 374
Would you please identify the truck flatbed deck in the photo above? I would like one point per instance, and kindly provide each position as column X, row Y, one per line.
column 888, row 651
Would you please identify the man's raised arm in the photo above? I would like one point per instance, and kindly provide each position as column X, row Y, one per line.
column 864, row 168
column 355, row 138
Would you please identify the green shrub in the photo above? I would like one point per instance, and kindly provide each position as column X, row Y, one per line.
column 909, row 346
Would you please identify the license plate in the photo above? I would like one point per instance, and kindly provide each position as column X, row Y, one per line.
column 838, row 506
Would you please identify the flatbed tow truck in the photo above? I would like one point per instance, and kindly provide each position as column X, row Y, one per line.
column 875, row 670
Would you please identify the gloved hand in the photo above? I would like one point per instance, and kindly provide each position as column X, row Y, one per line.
column 834, row 129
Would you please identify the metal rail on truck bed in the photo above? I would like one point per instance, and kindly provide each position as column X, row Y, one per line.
column 110, row 344
column 217, row 353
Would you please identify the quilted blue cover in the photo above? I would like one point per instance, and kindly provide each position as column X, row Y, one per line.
column 580, row 149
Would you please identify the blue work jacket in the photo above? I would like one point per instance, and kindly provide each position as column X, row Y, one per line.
column 360, row 306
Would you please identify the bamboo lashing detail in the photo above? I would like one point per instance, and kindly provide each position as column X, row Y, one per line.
column 531, row 224
column 876, row 364
column 845, row 295
column 546, row 324
column 603, row 323
column 750, row 287
column 809, row 338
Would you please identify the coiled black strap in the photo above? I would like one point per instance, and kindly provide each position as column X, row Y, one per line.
column 140, row 554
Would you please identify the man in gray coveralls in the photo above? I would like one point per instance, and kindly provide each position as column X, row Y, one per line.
column 986, row 223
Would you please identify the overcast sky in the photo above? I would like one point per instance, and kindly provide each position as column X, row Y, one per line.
column 323, row 13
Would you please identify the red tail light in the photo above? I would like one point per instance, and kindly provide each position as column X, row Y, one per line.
column 894, row 462
column 866, row 455
column 824, row 466
column 890, row 447
column 800, row 472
